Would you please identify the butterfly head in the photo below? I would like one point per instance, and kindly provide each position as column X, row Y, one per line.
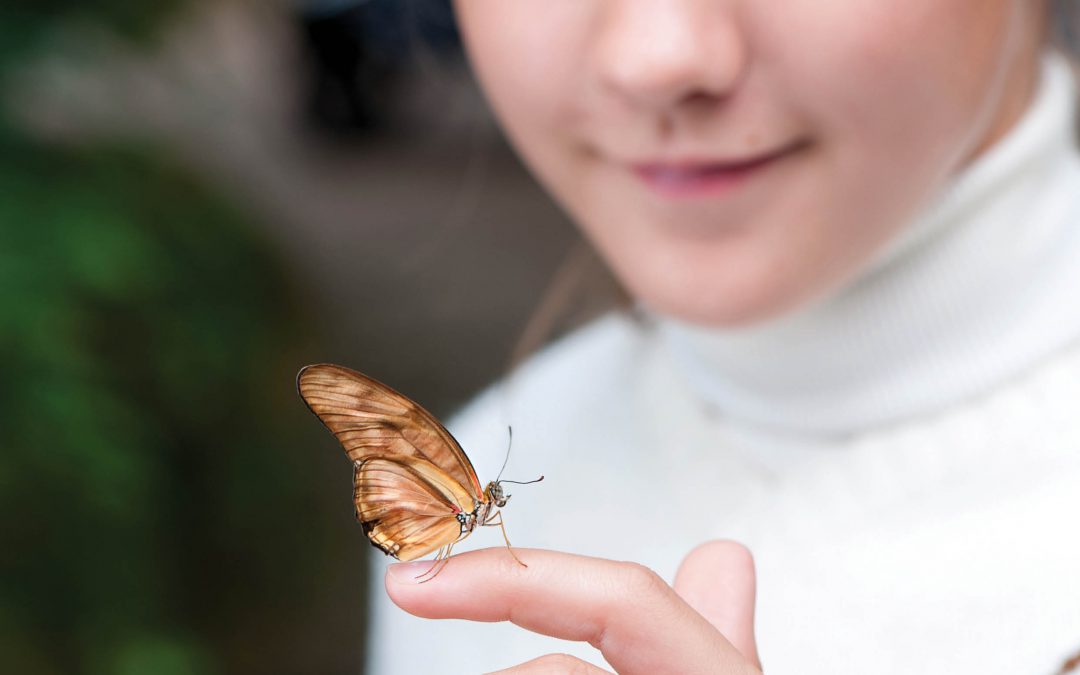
column 494, row 493
column 494, row 490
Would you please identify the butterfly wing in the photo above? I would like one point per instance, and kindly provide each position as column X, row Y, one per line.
column 408, row 507
column 372, row 420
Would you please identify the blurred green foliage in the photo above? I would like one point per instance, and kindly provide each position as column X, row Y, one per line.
column 152, row 519
column 26, row 24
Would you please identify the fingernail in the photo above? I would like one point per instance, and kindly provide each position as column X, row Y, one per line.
column 408, row 573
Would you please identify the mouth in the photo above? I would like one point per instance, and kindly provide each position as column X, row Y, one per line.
column 690, row 178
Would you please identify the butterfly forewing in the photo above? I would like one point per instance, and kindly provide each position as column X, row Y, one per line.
column 372, row 420
column 411, row 478
column 408, row 508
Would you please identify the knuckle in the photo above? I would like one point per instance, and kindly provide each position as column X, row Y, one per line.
column 641, row 582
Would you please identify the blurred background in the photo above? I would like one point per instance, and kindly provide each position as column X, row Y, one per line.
column 196, row 199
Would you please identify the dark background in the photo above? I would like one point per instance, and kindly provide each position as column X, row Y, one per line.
column 196, row 199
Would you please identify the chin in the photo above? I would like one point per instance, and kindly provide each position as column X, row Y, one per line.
column 718, row 301
column 711, row 312
column 734, row 276
column 706, row 306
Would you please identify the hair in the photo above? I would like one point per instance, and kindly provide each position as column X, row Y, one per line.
column 582, row 288
column 1065, row 26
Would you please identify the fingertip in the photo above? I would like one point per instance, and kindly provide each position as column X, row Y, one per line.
column 434, row 588
column 406, row 586
column 718, row 580
column 454, row 588
column 413, row 589
column 409, row 573
column 729, row 552
column 701, row 565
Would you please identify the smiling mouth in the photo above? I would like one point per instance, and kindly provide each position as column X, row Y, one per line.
column 701, row 178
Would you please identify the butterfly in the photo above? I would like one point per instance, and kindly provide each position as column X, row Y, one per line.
column 414, row 488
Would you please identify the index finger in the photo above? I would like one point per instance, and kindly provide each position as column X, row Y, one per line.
column 623, row 609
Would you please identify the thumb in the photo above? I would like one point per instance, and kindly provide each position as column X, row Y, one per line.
column 717, row 580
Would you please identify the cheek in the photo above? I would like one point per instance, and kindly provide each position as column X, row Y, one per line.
column 527, row 55
column 901, row 95
column 917, row 79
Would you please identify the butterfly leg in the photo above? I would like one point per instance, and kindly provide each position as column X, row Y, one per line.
column 443, row 552
column 439, row 565
column 499, row 522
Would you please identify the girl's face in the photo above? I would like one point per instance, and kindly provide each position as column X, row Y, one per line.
column 732, row 159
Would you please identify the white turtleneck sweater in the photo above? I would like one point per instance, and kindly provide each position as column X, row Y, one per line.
column 902, row 457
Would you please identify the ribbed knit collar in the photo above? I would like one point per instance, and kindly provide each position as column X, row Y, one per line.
column 982, row 285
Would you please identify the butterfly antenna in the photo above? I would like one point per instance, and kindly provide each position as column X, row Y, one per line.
column 528, row 482
column 498, row 479
column 509, row 442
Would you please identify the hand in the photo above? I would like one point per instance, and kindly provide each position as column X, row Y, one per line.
column 639, row 623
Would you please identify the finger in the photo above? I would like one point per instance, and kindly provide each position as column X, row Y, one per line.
column 554, row 664
column 717, row 579
column 626, row 611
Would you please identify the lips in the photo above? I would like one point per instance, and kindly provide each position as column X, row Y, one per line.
column 696, row 178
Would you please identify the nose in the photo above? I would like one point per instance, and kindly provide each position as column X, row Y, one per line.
column 657, row 53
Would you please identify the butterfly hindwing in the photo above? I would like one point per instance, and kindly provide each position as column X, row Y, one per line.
column 408, row 507
column 372, row 420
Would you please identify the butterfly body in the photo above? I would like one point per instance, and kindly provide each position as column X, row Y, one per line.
column 485, row 511
column 414, row 489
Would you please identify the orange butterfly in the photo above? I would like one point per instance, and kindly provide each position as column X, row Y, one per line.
column 415, row 490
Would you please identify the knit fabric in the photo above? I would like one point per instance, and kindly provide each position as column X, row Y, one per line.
column 903, row 458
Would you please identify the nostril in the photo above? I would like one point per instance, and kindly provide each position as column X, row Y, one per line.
column 689, row 60
column 699, row 98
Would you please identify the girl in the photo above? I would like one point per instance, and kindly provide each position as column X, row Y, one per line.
column 852, row 232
